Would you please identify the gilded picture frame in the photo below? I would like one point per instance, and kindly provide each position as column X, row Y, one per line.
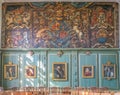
column 30, row 71
column 109, row 70
column 59, row 71
column 88, row 71
column 10, row 71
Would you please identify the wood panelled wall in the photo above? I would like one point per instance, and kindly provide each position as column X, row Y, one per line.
column 75, row 59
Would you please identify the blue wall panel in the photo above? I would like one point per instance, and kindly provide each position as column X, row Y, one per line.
column 30, row 61
column 42, row 69
column 53, row 57
column 103, row 59
column 87, row 60
column 38, row 60
column 14, row 58
column 75, row 73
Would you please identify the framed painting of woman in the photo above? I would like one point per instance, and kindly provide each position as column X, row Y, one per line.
column 88, row 71
column 30, row 71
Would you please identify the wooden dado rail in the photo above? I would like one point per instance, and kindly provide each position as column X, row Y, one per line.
column 59, row 91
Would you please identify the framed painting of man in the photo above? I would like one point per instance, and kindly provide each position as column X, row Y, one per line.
column 30, row 71
column 10, row 71
column 88, row 71
column 59, row 71
column 109, row 70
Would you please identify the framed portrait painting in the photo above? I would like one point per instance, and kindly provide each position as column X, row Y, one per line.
column 59, row 71
column 10, row 71
column 88, row 71
column 109, row 70
column 30, row 71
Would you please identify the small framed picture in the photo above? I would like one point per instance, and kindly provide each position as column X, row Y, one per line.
column 109, row 70
column 10, row 71
column 88, row 71
column 59, row 71
column 30, row 71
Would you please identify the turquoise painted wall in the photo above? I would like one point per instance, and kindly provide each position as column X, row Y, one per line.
column 75, row 60
column 113, row 58
column 14, row 58
column 52, row 57
column 88, row 60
